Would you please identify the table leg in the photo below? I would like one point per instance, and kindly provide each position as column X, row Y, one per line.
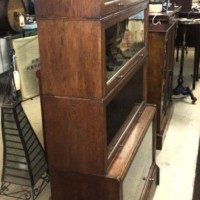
column 180, row 89
column 198, row 60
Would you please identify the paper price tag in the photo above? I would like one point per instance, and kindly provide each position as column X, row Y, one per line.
column 16, row 80
column 21, row 20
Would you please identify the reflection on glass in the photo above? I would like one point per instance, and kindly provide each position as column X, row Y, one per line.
column 195, row 1
column 125, row 105
column 196, row 5
column 123, row 41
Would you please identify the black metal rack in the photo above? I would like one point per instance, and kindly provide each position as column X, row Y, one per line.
column 24, row 160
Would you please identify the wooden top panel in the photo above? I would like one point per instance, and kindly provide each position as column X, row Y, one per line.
column 80, row 8
column 67, row 8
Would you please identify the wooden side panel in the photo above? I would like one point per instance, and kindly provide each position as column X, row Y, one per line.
column 161, row 62
column 72, row 58
column 81, row 8
column 74, row 137
column 155, row 71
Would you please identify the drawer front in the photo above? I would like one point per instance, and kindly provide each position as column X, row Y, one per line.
column 137, row 174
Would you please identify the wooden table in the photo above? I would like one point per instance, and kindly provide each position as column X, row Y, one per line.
column 188, row 24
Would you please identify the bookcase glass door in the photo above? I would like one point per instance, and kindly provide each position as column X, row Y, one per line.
column 123, row 41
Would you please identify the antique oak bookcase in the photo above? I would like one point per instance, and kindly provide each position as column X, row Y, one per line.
column 99, row 131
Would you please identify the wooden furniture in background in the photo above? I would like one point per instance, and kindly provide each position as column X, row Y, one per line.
column 160, row 69
column 190, row 27
column 185, row 4
column 165, row 17
column 192, row 39
column 99, row 130
column 188, row 35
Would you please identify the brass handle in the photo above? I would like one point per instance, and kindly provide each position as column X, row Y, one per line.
column 152, row 179
column 141, row 55
column 120, row 76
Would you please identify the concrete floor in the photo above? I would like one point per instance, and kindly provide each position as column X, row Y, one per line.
column 177, row 160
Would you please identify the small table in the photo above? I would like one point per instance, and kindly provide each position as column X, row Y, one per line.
column 180, row 89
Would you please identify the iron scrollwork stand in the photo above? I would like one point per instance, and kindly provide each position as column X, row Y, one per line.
column 25, row 167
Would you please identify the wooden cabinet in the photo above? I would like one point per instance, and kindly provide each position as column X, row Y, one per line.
column 99, row 130
column 160, row 74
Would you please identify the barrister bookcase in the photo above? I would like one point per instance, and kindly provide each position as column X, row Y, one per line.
column 99, row 130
